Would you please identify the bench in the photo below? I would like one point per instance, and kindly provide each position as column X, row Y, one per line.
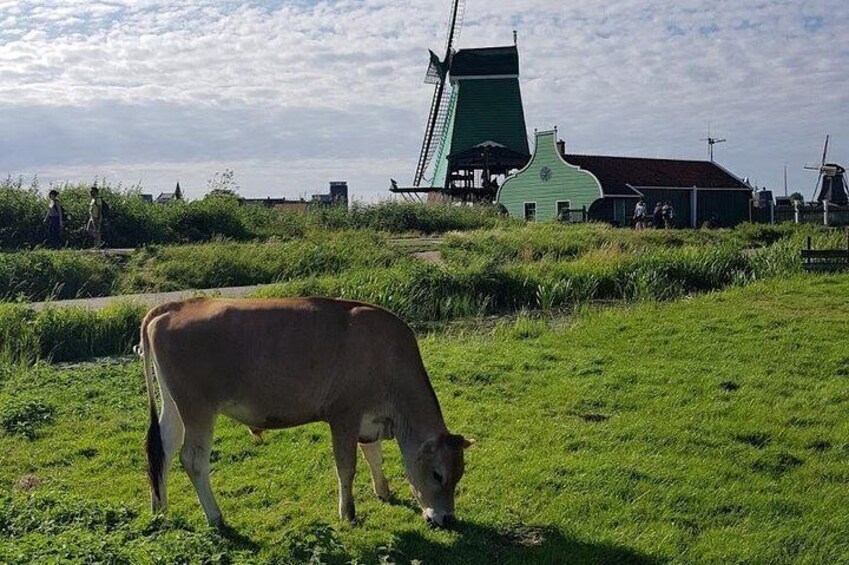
column 825, row 260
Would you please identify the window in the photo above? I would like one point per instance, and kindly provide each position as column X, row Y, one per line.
column 530, row 211
column 563, row 207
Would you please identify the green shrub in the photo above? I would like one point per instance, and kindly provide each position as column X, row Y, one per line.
column 61, row 274
column 132, row 222
column 22, row 213
column 68, row 334
column 216, row 265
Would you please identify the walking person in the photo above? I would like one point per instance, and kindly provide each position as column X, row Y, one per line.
column 95, row 218
column 640, row 215
column 55, row 220
column 668, row 216
column 657, row 216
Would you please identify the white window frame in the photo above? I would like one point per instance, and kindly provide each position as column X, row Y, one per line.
column 525, row 211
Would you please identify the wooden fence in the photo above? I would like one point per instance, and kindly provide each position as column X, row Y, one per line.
column 811, row 213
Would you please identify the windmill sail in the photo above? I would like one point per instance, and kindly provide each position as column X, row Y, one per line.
column 831, row 180
column 437, row 75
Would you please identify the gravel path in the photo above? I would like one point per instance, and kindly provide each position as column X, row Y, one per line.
column 153, row 299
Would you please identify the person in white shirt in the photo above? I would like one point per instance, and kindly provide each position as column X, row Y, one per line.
column 640, row 215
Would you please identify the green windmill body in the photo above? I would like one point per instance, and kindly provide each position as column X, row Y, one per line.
column 485, row 134
column 476, row 128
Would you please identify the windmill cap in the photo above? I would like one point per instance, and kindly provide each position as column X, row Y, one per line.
column 487, row 61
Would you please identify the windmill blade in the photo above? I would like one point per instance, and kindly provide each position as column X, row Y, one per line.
column 426, row 153
column 455, row 27
column 825, row 150
column 438, row 74
column 817, row 188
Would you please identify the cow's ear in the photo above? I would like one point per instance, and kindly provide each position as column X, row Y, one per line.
column 459, row 441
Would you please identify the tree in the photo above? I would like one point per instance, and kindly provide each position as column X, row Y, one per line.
column 222, row 185
column 797, row 196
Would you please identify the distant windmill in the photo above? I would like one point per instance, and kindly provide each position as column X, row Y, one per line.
column 831, row 182
column 711, row 141
column 476, row 130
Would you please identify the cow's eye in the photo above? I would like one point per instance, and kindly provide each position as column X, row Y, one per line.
column 437, row 477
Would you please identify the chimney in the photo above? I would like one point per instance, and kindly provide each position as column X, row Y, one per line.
column 561, row 146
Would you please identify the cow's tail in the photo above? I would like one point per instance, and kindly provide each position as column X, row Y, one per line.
column 155, row 451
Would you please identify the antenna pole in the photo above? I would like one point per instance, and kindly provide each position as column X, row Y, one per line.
column 785, row 179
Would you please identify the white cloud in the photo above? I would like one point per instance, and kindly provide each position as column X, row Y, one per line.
column 152, row 88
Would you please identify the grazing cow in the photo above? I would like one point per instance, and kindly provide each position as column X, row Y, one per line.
column 282, row 363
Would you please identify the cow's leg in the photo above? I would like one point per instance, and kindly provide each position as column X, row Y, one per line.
column 374, row 457
column 171, row 432
column 345, row 451
column 197, row 446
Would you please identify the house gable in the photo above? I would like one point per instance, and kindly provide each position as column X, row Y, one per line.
column 546, row 180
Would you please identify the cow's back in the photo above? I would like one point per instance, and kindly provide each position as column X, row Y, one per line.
column 279, row 363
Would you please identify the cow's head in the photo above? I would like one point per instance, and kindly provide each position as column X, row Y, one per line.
column 434, row 475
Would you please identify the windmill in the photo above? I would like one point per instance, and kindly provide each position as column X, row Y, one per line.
column 475, row 129
column 831, row 182
column 711, row 141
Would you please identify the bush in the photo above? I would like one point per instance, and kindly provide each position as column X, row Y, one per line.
column 22, row 213
column 41, row 274
column 132, row 222
column 68, row 334
column 216, row 265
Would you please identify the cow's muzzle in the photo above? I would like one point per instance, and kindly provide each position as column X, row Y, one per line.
column 436, row 519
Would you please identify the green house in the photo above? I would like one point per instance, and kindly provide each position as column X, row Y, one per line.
column 559, row 185
column 549, row 187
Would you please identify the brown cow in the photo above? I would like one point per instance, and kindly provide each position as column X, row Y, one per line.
column 282, row 363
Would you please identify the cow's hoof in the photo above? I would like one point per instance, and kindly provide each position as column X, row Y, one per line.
column 383, row 493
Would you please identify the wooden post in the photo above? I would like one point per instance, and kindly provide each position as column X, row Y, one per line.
column 825, row 212
column 809, row 243
column 771, row 212
column 796, row 212
column 694, row 208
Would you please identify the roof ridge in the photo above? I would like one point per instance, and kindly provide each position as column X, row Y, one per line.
column 642, row 158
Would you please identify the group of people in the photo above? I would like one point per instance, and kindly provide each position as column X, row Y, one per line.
column 663, row 216
column 56, row 218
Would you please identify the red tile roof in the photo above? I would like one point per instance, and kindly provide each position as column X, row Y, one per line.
column 618, row 174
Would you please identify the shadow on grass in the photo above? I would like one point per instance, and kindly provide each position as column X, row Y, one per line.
column 237, row 539
column 519, row 544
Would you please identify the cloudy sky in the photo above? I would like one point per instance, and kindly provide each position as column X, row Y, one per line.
column 293, row 94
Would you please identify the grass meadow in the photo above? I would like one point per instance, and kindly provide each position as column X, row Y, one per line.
column 710, row 429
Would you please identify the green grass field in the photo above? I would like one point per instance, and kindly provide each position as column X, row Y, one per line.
column 707, row 430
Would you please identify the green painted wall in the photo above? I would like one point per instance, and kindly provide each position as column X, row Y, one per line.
column 565, row 182
column 489, row 110
column 481, row 110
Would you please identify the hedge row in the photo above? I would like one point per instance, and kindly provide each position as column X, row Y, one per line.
column 132, row 222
